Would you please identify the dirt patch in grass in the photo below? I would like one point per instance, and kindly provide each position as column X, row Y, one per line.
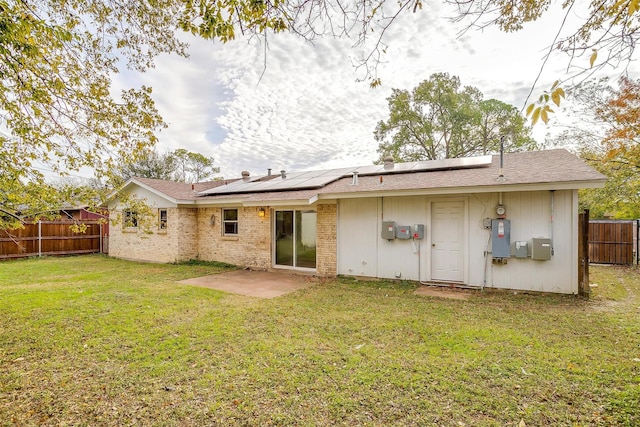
column 438, row 292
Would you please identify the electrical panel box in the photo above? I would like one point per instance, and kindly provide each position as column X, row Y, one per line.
column 418, row 231
column 541, row 248
column 521, row 250
column 501, row 238
column 403, row 232
column 388, row 230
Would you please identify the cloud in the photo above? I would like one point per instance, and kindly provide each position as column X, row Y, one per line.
column 296, row 105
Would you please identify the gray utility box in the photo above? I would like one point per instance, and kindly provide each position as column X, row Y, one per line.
column 388, row 230
column 521, row 250
column 541, row 248
column 418, row 231
column 403, row 232
column 500, row 238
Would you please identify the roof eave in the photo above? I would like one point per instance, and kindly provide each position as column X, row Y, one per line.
column 282, row 202
column 134, row 181
column 211, row 202
column 502, row 187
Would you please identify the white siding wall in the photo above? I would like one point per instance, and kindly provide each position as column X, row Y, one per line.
column 358, row 237
column 399, row 258
column 530, row 214
column 362, row 252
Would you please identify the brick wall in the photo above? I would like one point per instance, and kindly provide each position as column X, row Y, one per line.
column 149, row 244
column 326, row 256
column 250, row 248
column 197, row 233
column 186, row 223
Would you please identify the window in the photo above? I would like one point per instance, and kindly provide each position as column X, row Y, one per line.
column 229, row 222
column 130, row 219
column 162, row 219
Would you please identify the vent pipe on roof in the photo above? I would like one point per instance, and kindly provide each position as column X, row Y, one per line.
column 245, row 175
column 193, row 187
column 354, row 176
column 388, row 162
column 269, row 172
column 283, row 173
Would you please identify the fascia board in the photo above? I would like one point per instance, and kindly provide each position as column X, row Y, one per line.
column 503, row 187
column 215, row 203
column 289, row 202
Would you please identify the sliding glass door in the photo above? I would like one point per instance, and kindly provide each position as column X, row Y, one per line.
column 295, row 238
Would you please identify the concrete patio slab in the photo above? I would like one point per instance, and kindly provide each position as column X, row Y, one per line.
column 260, row 284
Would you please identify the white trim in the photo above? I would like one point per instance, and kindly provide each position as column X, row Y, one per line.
column 575, row 286
column 273, row 238
column 214, row 203
column 282, row 202
column 443, row 191
column 439, row 191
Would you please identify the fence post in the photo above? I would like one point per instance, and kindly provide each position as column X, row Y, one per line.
column 39, row 238
column 583, row 253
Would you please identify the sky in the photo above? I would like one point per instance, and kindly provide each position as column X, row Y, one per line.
column 299, row 106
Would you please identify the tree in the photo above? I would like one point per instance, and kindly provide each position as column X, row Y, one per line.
column 179, row 165
column 193, row 167
column 608, row 138
column 605, row 35
column 153, row 165
column 440, row 119
column 56, row 59
column 620, row 159
column 605, row 32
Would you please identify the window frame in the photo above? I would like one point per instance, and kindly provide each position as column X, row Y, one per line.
column 129, row 219
column 163, row 223
column 230, row 222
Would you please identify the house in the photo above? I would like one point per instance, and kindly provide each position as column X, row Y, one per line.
column 486, row 221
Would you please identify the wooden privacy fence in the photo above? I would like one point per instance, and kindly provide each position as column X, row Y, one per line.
column 51, row 238
column 613, row 241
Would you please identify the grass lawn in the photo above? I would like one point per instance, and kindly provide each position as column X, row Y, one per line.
column 97, row 341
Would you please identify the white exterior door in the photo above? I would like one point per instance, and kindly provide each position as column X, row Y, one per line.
column 447, row 241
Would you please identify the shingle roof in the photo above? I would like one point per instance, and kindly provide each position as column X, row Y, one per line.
column 526, row 168
column 549, row 167
column 179, row 190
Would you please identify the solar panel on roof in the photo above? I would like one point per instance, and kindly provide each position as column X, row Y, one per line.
column 427, row 165
column 317, row 179
column 293, row 181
